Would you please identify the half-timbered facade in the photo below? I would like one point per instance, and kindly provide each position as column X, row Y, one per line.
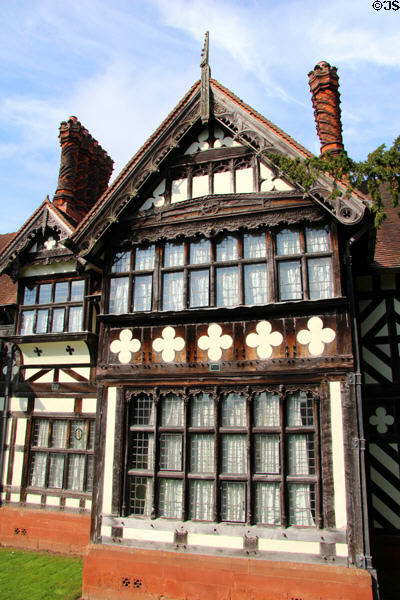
column 185, row 381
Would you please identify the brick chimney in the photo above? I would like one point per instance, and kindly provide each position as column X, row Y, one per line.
column 324, row 85
column 85, row 170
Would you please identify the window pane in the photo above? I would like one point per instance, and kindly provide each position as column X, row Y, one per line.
column 170, row 498
column 254, row 245
column 200, row 252
column 78, row 435
column 266, row 410
column 227, row 286
column 38, row 469
column 290, row 281
column 41, row 321
column 202, row 453
column 227, row 249
column 233, row 502
column 140, row 496
column 92, row 428
column 202, row 411
column 268, row 509
column 144, row 259
column 40, row 437
column 77, row 290
column 233, row 410
column 143, row 411
column 29, row 295
column 300, row 410
column 171, row 452
column 142, row 292
column 199, row 286
column 27, row 322
column 59, row 434
column 119, row 295
column 122, row 262
column 173, row 291
column 317, row 240
column 56, row 470
column 89, row 473
column 172, row 408
column 320, row 278
column 45, row 293
column 75, row 318
column 301, row 504
column 301, row 454
column 267, row 454
column 61, row 292
column 58, row 320
column 288, row 242
column 201, row 500
column 76, row 472
column 173, row 255
column 234, row 459
column 141, row 450
column 255, row 284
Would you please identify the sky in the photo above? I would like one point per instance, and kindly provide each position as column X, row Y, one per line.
column 120, row 66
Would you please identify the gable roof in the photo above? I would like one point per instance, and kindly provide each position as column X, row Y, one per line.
column 8, row 289
column 47, row 215
column 387, row 245
column 245, row 124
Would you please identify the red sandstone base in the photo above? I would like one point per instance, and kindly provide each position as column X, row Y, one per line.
column 118, row 573
column 27, row 529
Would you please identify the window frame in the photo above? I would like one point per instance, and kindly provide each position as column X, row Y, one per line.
column 250, row 430
column 51, row 307
column 270, row 261
column 66, row 452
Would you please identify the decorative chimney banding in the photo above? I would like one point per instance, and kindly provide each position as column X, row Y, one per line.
column 85, row 170
column 324, row 85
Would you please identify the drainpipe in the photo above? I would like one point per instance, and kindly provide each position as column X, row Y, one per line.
column 5, row 410
column 364, row 560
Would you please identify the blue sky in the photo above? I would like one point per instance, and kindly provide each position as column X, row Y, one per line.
column 121, row 65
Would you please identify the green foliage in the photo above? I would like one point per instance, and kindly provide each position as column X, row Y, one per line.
column 382, row 167
column 39, row 576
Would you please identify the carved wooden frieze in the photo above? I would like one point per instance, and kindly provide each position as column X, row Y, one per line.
column 255, row 346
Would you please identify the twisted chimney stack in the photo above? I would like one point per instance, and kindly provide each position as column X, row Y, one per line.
column 324, row 85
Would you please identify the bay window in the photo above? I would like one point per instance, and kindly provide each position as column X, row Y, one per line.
column 231, row 456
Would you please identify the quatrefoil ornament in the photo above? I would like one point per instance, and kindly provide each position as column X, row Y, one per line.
column 168, row 344
column 214, row 342
column 316, row 336
column 381, row 420
column 125, row 346
column 264, row 339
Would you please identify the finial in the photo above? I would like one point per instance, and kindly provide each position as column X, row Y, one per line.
column 204, row 52
column 205, row 83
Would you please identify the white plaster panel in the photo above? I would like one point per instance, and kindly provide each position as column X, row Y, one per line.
column 56, row 267
column 1, row 402
column 244, row 181
column 60, row 405
column 106, row 530
column 6, row 459
column 17, row 468
column 199, row 186
column 65, row 378
column 54, row 353
column 150, row 535
column 222, row 183
column 21, row 432
column 14, row 497
column 288, row 546
column 339, row 484
column 33, row 499
column 89, row 405
column 53, row 501
column 83, row 371
column 88, row 505
column 18, row 404
column 179, row 190
column 46, row 378
column 72, row 502
column 342, row 550
column 109, row 449
column 215, row 541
